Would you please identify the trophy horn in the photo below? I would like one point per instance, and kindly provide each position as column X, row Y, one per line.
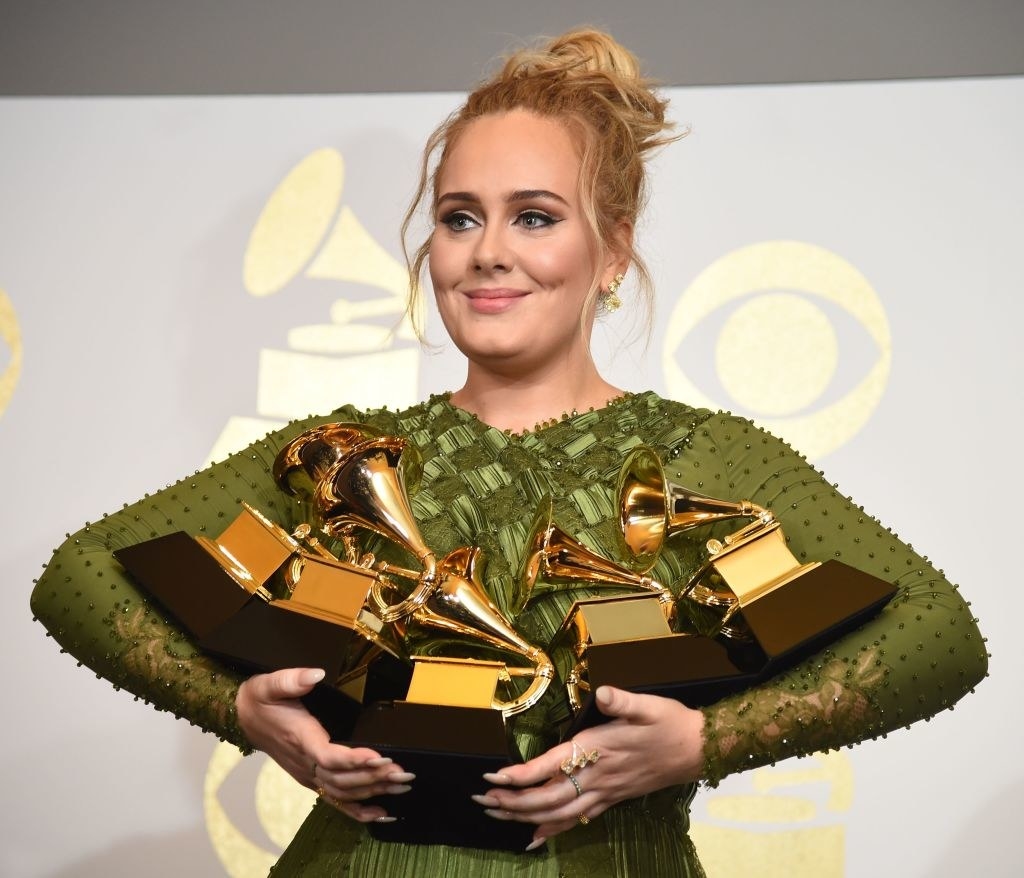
column 305, row 461
column 651, row 508
column 367, row 488
column 459, row 606
column 355, row 477
column 552, row 557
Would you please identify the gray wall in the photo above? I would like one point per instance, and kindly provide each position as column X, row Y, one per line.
column 95, row 47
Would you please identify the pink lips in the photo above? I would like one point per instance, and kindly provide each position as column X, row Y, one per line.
column 493, row 300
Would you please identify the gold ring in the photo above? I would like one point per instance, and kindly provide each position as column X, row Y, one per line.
column 580, row 758
column 576, row 783
column 319, row 792
column 583, row 819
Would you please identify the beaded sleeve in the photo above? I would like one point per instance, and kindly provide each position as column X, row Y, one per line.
column 917, row 657
column 98, row 614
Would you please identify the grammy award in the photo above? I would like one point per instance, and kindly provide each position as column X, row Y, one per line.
column 267, row 599
column 623, row 640
column 751, row 594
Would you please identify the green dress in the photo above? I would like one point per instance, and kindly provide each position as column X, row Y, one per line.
column 480, row 487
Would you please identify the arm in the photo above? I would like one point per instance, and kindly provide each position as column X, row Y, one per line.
column 920, row 655
column 97, row 613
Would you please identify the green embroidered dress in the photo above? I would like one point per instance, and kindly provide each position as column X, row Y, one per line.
column 481, row 487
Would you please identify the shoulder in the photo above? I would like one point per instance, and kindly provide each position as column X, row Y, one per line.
column 666, row 424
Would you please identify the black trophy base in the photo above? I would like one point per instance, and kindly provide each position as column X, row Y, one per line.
column 690, row 668
column 249, row 632
column 448, row 749
column 806, row 614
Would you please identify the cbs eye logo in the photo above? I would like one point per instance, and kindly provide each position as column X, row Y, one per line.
column 793, row 336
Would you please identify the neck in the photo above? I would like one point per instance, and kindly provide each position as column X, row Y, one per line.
column 521, row 403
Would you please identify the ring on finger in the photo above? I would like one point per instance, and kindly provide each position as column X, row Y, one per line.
column 580, row 758
column 319, row 791
column 575, row 783
column 582, row 818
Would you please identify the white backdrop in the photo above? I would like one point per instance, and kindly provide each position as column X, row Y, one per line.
column 147, row 313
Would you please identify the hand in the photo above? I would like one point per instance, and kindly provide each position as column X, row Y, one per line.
column 650, row 743
column 276, row 722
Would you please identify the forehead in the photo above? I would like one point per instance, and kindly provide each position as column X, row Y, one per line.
column 512, row 151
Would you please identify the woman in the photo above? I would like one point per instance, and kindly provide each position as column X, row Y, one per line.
column 535, row 194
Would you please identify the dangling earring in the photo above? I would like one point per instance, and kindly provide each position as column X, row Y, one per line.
column 611, row 300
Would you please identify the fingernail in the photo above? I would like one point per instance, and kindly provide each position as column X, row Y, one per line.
column 398, row 789
column 378, row 761
column 536, row 843
column 498, row 779
column 401, row 777
column 384, row 819
column 486, row 801
column 311, row 677
column 496, row 814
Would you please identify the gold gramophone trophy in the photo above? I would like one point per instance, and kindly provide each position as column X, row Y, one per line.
column 449, row 727
column 751, row 593
column 265, row 598
column 624, row 640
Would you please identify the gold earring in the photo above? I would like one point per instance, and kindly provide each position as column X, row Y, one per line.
column 611, row 300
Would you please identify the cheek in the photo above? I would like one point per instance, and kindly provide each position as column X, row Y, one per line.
column 439, row 263
column 565, row 264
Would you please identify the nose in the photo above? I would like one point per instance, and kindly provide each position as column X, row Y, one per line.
column 492, row 251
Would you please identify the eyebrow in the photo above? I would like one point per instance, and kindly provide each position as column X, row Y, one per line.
column 511, row 198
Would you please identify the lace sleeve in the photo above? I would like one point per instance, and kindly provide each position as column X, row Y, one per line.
column 920, row 655
column 97, row 613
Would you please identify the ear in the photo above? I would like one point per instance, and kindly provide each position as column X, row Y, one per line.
column 619, row 248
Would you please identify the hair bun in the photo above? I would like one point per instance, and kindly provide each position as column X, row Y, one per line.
column 593, row 51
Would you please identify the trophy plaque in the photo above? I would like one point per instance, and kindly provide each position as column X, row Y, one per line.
column 626, row 642
column 751, row 594
column 787, row 609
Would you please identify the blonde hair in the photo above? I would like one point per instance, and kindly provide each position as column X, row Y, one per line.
column 593, row 85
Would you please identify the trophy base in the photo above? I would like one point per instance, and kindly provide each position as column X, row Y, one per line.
column 811, row 611
column 690, row 668
column 243, row 628
column 448, row 749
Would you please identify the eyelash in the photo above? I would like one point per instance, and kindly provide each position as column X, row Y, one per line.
column 453, row 219
column 545, row 219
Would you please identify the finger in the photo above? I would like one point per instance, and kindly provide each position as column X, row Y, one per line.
column 289, row 683
column 556, row 793
column 620, row 704
column 357, row 794
column 352, row 780
column 538, row 770
column 548, row 820
column 338, row 757
column 547, row 830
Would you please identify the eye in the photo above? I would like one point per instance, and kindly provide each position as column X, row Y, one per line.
column 535, row 219
column 787, row 333
column 458, row 221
